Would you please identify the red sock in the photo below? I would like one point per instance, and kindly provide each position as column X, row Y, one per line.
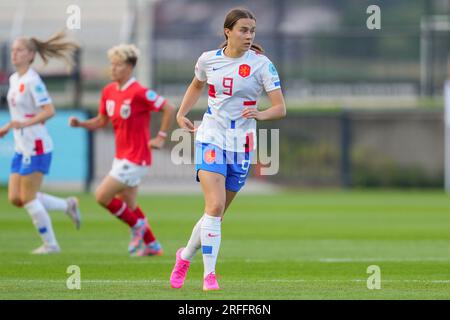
column 120, row 210
column 138, row 212
column 148, row 235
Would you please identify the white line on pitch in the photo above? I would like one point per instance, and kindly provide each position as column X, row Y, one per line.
column 243, row 260
column 148, row 281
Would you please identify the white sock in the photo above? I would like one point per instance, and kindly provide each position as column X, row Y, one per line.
column 210, row 239
column 52, row 203
column 41, row 221
column 194, row 243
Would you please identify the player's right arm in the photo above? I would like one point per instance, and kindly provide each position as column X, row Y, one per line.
column 193, row 93
column 5, row 129
column 190, row 98
column 98, row 122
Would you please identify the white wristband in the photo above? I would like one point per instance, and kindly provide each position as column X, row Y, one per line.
column 162, row 134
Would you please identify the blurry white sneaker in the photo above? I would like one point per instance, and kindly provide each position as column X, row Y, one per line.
column 73, row 211
column 47, row 249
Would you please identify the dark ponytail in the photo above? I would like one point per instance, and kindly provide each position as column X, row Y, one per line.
column 230, row 20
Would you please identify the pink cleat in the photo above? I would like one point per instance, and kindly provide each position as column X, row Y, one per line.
column 179, row 271
column 210, row 283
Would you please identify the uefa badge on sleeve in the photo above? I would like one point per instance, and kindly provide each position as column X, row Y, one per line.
column 273, row 70
column 39, row 88
column 151, row 95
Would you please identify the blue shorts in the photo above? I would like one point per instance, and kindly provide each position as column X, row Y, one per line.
column 234, row 166
column 27, row 165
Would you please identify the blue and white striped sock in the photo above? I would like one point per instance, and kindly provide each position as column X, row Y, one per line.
column 41, row 221
column 210, row 239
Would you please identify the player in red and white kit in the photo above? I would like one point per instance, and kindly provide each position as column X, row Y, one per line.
column 236, row 74
column 30, row 107
column 128, row 105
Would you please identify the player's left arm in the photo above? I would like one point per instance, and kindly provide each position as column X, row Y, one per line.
column 168, row 113
column 47, row 111
column 276, row 111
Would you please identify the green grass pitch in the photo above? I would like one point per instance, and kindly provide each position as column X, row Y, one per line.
column 298, row 245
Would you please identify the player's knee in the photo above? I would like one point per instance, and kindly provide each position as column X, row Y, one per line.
column 102, row 198
column 26, row 199
column 99, row 198
column 215, row 207
column 16, row 201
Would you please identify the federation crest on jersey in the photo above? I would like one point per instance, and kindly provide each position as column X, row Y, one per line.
column 110, row 104
column 125, row 109
column 244, row 70
column 22, row 88
column 209, row 156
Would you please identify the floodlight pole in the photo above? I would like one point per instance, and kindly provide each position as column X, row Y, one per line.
column 428, row 25
column 18, row 19
column 425, row 58
column 447, row 130
column 144, row 39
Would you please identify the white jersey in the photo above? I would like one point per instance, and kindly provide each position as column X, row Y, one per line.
column 234, row 84
column 26, row 96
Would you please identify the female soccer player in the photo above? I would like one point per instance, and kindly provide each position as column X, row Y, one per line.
column 236, row 75
column 30, row 107
column 128, row 105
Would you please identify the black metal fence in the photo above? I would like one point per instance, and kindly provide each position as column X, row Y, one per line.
column 362, row 149
column 385, row 148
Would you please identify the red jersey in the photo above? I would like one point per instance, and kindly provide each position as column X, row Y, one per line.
column 129, row 110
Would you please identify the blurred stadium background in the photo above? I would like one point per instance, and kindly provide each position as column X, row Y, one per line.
column 365, row 106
